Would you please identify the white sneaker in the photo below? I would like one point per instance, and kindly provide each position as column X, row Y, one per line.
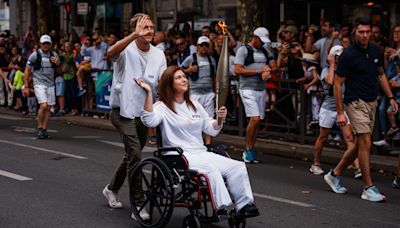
column 143, row 214
column 337, row 138
column 316, row 170
column 112, row 198
column 381, row 143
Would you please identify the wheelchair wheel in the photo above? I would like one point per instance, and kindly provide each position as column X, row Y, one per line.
column 157, row 191
column 191, row 221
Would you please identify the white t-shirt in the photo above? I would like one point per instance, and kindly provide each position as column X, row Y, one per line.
column 183, row 128
column 125, row 93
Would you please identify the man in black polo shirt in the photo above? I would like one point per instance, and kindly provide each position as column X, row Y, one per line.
column 360, row 68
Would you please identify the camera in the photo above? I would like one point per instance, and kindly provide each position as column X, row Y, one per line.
column 276, row 44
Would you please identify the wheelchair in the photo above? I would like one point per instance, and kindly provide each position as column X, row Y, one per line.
column 167, row 182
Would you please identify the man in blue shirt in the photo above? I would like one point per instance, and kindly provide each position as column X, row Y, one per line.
column 360, row 68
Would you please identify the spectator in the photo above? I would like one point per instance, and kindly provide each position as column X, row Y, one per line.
column 391, row 60
column 329, row 39
column 311, row 85
column 69, row 70
column 184, row 49
column 159, row 40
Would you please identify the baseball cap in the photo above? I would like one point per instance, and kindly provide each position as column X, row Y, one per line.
column 263, row 34
column 336, row 50
column 203, row 39
column 292, row 29
column 45, row 39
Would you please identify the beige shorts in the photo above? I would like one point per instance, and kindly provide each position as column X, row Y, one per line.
column 362, row 116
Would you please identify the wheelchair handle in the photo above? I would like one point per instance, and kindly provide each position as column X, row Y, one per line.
column 161, row 150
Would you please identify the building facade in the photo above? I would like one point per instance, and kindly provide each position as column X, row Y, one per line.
column 113, row 15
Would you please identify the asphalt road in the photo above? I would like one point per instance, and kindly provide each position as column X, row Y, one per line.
column 58, row 183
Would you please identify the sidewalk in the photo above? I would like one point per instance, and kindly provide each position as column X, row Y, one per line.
column 266, row 146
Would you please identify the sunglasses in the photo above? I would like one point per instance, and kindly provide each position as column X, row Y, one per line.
column 204, row 45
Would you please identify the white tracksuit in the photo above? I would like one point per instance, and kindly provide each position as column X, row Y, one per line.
column 184, row 129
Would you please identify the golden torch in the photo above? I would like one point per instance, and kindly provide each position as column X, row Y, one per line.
column 222, row 77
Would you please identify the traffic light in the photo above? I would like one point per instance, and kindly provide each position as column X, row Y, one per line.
column 68, row 7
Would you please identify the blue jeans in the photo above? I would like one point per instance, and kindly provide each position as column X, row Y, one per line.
column 382, row 115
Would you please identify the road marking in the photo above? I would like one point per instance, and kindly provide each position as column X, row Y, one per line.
column 14, row 176
column 44, row 150
column 7, row 117
column 30, row 130
column 87, row 137
column 274, row 198
column 283, row 200
column 146, row 149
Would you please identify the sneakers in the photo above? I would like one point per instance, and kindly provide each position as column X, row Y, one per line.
column 381, row 143
column 81, row 92
column 357, row 174
column 248, row 211
column 392, row 131
column 316, row 169
column 41, row 133
column 112, row 198
column 335, row 182
column 372, row 194
column 337, row 138
column 46, row 136
column 249, row 156
column 143, row 214
column 396, row 183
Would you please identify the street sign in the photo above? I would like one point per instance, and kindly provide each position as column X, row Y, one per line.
column 79, row 30
column 82, row 8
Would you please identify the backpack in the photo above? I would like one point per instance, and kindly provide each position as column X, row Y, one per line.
column 250, row 55
column 195, row 76
column 38, row 63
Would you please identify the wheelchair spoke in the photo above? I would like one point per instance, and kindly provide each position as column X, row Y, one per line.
column 146, row 181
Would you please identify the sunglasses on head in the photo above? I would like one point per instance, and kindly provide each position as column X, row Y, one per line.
column 204, row 45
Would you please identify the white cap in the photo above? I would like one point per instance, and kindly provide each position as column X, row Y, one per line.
column 45, row 39
column 203, row 39
column 336, row 50
column 263, row 34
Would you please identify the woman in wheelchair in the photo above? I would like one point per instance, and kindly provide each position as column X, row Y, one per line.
column 182, row 122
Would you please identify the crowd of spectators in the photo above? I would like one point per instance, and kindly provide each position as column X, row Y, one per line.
column 291, row 45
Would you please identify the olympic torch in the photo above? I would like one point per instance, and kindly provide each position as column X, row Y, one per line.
column 222, row 77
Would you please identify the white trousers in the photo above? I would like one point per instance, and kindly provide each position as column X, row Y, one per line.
column 216, row 168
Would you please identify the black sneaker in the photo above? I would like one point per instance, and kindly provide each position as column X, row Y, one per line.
column 222, row 213
column 250, row 210
column 41, row 134
column 46, row 136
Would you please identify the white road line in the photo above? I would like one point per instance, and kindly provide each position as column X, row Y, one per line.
column 14, row 176
column 44, row 150
column 283, row 200
column 146, row 149
column 87, row 137
column 273, row 198
column 30, row 129
column 7, row 117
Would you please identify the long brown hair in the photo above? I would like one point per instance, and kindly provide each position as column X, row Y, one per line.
column 166, row 91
